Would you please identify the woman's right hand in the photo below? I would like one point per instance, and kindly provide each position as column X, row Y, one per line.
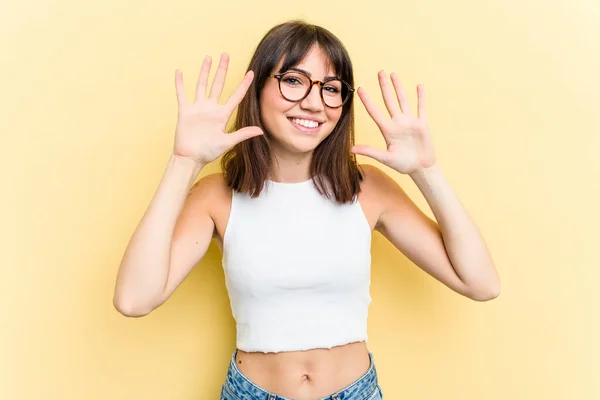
column 200, row 133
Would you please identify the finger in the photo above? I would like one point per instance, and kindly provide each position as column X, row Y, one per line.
column 372, row 109
column 219, row 81
column 239, row 93
column 203, row 78
column 244, row 134
column 421, row 102
column 368, row 151
column 400, row 93
column 391, row 103
column 179, row 88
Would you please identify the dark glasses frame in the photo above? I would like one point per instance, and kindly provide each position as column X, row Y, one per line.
column 309, row 89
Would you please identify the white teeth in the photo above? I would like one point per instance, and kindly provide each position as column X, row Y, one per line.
column 306, row 123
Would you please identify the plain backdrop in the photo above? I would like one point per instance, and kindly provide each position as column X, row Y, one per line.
column 87, row 116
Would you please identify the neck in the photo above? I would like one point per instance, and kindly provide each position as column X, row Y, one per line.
column 291, row 168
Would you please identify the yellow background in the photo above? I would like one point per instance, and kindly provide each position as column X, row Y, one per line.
column 87, row 114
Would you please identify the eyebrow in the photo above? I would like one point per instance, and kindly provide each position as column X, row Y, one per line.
column 308, row 73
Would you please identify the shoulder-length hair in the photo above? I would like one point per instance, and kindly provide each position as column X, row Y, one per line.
column 334, row 169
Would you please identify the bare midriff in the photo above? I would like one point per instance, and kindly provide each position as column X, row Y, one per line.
column 305, row 375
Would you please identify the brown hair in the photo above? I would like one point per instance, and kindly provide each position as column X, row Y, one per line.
column 334, row 168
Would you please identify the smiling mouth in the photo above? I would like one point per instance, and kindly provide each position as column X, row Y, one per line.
column 305, row 125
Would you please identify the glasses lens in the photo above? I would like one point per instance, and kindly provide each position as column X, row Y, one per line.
column 334, row 92
column 294, row 85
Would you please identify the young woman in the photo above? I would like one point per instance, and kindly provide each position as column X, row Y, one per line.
column 293, row 214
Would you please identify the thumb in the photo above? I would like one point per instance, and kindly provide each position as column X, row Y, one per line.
column 368, row 151
column 245, row 133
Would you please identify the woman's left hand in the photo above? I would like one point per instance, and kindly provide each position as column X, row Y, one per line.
column 409, row 144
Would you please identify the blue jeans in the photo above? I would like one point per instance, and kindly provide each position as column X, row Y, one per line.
column 239, row 387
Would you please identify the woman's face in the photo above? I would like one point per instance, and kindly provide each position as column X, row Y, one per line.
column 291, row 124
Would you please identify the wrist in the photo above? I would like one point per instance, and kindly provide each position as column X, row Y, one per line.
column 424, row 173
column 187, row 161
column 186, row 166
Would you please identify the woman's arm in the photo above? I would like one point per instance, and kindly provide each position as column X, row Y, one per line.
column 451, row 250
column 146, row 276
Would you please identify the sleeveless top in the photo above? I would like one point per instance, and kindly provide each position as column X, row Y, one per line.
column 297, row 269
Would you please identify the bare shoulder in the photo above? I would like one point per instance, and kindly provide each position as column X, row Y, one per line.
column 379, row 193
column 371, row 196
column 212, row 194
column 377, row 182
column 209, row 188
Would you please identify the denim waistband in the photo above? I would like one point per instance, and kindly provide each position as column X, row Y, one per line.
column 244, row 389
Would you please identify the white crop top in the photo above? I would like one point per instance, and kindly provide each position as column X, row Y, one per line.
column 297, row 269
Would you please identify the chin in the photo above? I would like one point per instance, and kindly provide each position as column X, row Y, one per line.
column 298, row 147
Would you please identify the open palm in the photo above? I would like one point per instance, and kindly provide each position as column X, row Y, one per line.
column 408, row 141
column 200, row 132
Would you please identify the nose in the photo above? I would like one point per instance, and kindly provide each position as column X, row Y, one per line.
column 313, row 100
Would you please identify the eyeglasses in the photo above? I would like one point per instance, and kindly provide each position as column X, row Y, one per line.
column 295, row 86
